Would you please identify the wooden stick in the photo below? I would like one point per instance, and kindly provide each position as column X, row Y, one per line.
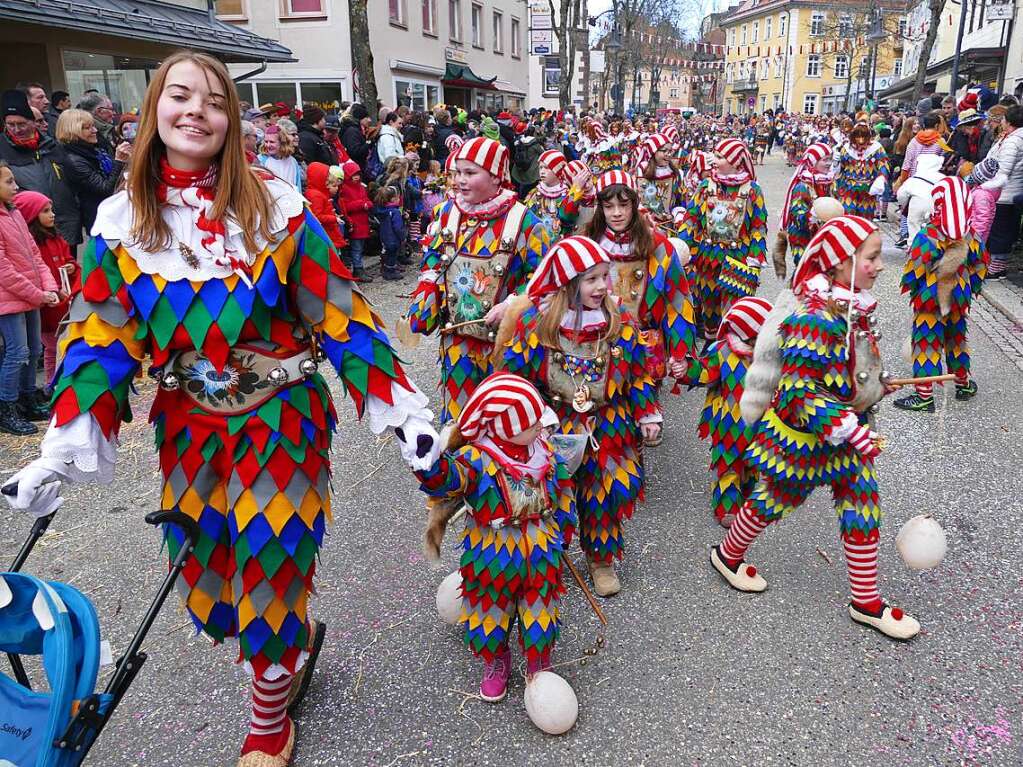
column 585, row 588
column 453, row 328
column 921, row 380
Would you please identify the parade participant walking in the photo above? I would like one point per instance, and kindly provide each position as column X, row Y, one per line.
column 521, row 499
column 580, row 203
column 808, row 393
column 811, row 180
column 659, row 182
column 586, row 355
column 861, row 172
column 944, row 271
column 723, row 371
column 547, row 197
column 646, row 275
column 726, row 229
column 220, row 275
column 484, row 251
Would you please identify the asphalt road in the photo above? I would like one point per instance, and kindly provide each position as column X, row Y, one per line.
column 692, row 673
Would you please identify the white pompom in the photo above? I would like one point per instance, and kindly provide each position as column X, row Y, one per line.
column 681, row 249
column 827, row 208
column 921, row 542
column 551, row 703
column 449, row 598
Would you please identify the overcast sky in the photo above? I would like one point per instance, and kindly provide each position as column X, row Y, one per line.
column 597, row 6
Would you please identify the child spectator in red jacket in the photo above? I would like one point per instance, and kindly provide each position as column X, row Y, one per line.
column 355, row 204
column 321, row 188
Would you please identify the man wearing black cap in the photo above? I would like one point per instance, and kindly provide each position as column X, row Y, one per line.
column 310, row 137
column 35, row 160
column 331, row 134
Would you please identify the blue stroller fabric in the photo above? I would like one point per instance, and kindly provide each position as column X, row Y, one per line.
column 57, row 622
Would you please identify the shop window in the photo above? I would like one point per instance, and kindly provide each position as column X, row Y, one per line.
column 417, row 96
column 273, row 93
column 246, row 92
column 122, row 78
column 327, row 96
column 551, row 75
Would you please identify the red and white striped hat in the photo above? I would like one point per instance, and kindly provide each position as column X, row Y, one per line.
column 613, row 177
column 449, row 163
column 952, row 207
column 836, row 241
column 503, row 406
column 698, row 163
column 453, row 141
column 490, row 155
column 654, row 142
column 575, row 167
column 804, row 172
column 555, row 162
column 671, row 132
column 745, row 318
column 736, row 153
column 567, row 259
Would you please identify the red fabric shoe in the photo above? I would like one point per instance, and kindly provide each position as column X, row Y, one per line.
column 494, row 686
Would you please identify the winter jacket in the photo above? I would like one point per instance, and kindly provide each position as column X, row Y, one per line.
column 412, row 200
column 440, row 149
column 525, row 167
column 389, row 144
column 24, row 275
column 56, row 253
column 1009, row 153
column 982, row 214
column 915, row 192
column 85, row 175
column 355, row 203
column 320, row 202
column 413, row 136
column 42, row 170
column 285, row 168
column 354, row 141
column 917, row 149
column 392, row 227
column 314, row 147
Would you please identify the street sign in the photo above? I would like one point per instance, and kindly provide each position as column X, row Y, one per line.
column 1000, row 10
column 541, row 22
column 541, row 42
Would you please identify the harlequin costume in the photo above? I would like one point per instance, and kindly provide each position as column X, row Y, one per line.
column 723, row 371
column 579, row 204
column 481, row 254
column 548, row 202
column 945, row 269
column 662, row 194
column 520, row 520
column 725, row 227
column 816, row 371
column 797, row 224
column 861, row 172
column 652, row 288
column 243, row 418
column 601, row 391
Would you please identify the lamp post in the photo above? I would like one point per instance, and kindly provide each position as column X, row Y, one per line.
column 612, row 46
column 785, row 69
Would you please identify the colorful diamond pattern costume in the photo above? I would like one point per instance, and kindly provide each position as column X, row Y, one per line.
column 801, row 224
column 855, row 172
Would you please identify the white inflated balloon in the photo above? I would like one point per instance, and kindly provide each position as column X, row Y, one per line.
column 551, row 703
column 449, row 598
column 921, row 542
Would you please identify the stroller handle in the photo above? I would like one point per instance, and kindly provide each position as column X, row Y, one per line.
column 178, row 518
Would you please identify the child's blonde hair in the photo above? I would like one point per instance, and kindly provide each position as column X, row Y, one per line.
column 566, row 299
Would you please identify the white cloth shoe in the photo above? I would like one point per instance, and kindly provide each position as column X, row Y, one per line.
column 743, row 578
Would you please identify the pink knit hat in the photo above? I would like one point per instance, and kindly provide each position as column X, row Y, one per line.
column 31, row 204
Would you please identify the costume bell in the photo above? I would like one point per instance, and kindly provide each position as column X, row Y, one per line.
column 945, row 270
column 588, row 361
column 816, row 371
column 481, row 254
column 725, row 227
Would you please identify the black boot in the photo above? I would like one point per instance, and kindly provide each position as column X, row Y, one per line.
column 12, row 423
column 361, row 276
column 30, row 409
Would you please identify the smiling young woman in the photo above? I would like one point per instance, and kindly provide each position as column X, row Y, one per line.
column 222, row 277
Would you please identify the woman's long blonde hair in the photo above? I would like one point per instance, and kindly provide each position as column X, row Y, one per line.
column 567, row 299
column 239, row 190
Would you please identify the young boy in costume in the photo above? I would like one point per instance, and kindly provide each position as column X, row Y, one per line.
column 811, row 181
column 547, row 197
column 816, row 371
column 659, row 181
column 861, row 172
column 945, row 270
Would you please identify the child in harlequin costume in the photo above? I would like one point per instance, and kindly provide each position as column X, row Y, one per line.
column 816, row 371
column 861, row 172
column 587, row 358
column 547, row 198
column 944, row 271
column 722, row 370
column 700, row 166
column 581, row 200
column 520, row 522
column 659, row 182
column 725, row 227
column 237, row 296
column 484, row 250
column 811, row 180
column 647, row 274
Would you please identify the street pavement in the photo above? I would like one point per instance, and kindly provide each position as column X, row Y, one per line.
column 691, row 673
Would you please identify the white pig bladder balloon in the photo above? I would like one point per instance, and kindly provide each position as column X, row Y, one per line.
column 551, row 703
column 921, row 542
column 449, row 598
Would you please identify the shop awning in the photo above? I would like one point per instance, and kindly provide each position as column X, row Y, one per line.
column 972, row 62
column 175, row 26
column 462, row 76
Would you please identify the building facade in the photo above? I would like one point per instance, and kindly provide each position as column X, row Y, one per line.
column 802, row 57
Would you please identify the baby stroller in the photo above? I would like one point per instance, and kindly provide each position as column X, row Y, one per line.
column 53, row 620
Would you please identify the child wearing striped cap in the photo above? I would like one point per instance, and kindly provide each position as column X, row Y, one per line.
column 816, row 373
column 945, row 269
column 660, row 183
column 547, row 197
column 586, row 356
column 520, row 522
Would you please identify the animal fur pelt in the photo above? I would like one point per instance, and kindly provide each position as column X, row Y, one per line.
column 947, row 269
column 441, row 510
column 779, row 253
column 506, row 330
column 765, row 371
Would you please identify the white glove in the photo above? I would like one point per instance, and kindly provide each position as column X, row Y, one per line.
column 418, row 441
column 877, row 187
column 754, row 261
column 38, row 489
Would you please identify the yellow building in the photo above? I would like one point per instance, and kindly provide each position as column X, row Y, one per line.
column 813, row 58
